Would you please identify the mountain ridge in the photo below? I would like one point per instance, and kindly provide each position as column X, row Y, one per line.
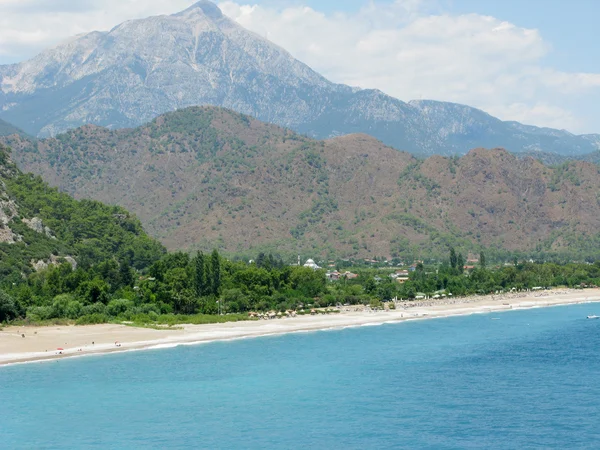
column 206, row 176
column 142, row 68
column 6, row 129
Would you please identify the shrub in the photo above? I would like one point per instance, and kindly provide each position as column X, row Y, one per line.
column 117, row 307
column 60, row 305
column 96, row 308
column 73, row 310
column 39, row 313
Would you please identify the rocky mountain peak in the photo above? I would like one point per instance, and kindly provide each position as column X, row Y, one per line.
column 205, row 7
column 144, row 68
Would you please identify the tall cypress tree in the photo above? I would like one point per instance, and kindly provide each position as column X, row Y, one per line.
column 453, row 259
column 460, row 263
column 215, row 263
column 200, row 279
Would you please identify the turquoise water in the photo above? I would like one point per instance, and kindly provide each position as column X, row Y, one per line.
column 530, row 379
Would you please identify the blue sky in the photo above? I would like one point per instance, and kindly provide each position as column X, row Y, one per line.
column 534, row 61
column 571, row 27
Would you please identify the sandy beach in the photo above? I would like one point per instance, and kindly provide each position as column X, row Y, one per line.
column 42, row 343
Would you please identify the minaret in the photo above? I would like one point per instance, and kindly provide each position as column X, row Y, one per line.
column 298, row 260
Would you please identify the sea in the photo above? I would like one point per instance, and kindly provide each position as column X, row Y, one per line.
column 526, row 379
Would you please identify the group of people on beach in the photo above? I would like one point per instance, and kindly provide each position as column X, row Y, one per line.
column 60, row 350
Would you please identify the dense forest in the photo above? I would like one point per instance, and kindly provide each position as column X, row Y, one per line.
column 93, row 263
column 207, row 287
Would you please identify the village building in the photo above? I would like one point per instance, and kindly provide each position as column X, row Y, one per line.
column 333, row 276
column 400, row 276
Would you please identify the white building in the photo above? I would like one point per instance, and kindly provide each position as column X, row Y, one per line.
column 310, row 263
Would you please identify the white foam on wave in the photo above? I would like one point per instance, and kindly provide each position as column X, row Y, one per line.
column 162, row 346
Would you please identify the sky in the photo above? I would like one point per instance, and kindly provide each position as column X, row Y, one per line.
column 534, row 61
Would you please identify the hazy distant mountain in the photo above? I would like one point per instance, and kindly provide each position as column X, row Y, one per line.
column 143, row 68
column 204, row 177
column 6, row 129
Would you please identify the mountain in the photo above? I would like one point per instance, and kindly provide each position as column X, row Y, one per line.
column 41, row 226
column 143, row 68
column 204, row 177
column 6, row 129
column 554, row 159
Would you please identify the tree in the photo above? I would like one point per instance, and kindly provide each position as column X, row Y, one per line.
column 8, row 310
column 308, row 281
column 93, row 291
column 260, row 260
column 215, row 263
column 126, row 277
column 482, row 260
column 386, row 291
column 200, row 279
column 177, row 281
column 460, row 263
column 453, row 259
column 370, row 286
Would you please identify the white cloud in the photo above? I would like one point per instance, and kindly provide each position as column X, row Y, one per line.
column 471, row 59
column 395, row 47
column 29, row 26
column 537, row 113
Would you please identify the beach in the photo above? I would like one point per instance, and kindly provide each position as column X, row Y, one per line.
column 25, row 344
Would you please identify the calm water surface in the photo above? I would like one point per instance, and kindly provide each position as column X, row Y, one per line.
column 530, row 379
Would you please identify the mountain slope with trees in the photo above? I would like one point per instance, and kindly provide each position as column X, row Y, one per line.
column 41, row 226
column 207, row 177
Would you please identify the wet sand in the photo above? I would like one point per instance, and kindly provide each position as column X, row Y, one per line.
column 41, row 343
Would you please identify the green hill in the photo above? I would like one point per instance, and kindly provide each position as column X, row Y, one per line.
column 41, row 226
column 207, row 177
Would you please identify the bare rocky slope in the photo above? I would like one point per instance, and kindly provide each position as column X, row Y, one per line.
column 204, row 177
column 143, row 68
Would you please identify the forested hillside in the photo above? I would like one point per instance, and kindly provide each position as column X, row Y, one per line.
column 41, row 226
column 83, row 261
column 207, row 177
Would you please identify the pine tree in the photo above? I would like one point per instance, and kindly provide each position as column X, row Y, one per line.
column 482, row 260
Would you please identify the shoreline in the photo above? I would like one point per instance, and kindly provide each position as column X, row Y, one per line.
column 41, row 344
